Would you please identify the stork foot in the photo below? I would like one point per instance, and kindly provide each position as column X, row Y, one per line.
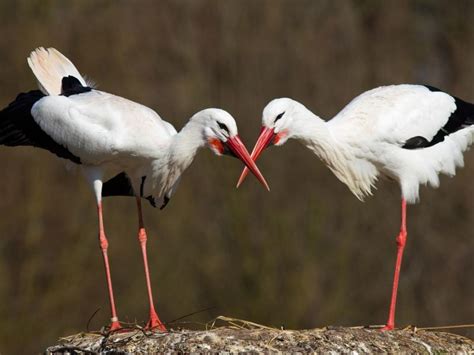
column 155, row 323
column 387, row 327
column 115, row 325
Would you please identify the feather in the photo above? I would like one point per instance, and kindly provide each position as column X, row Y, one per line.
column 18, row 128
column 49, row 67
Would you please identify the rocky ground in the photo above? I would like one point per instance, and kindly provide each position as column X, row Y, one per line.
column 242, row 336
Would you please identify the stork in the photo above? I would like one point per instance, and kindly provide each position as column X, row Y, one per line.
column 407, row 133
column 107, row 135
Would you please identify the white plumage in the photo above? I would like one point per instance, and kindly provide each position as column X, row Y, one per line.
column 112, row 132
column 407, row 133
column 119, row 135
column 365, row 140
column 373, row 128
column 114, row 137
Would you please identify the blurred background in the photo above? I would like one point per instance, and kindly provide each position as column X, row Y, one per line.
column 306, row 255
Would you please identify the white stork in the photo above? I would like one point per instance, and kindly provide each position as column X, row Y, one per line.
column 111, row 136
column 407, row 133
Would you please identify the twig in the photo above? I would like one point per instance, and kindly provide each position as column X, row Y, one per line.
column 235, row 321
column 190, row 314
column 91, row 317
column 447, row 327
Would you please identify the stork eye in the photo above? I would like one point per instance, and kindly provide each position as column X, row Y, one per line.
column 279, row 116
column 223, row 126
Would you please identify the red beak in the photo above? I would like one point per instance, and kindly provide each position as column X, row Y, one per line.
column 238, row 148
column 265, row 138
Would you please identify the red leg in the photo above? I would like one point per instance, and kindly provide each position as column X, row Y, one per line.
column 154, row 321
column 104, row 244
column 401, row 241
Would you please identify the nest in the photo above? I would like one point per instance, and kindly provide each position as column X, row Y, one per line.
column 225, row 334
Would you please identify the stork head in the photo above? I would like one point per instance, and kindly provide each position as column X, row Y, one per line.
column 220, row 131
column 277, row 120
column 278, row 125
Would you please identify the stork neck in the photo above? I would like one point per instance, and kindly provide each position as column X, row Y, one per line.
column 186, row 143
column 316, row 135
column 312, row 131
column 182, row 149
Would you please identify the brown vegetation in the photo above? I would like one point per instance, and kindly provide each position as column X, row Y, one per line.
column 305, row 255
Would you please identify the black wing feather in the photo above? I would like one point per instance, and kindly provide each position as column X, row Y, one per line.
column 461, row 118
column 18, row 128
column 120, row 186
column 70, row 85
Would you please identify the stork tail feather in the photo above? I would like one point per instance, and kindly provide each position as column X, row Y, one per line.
column 49, row 67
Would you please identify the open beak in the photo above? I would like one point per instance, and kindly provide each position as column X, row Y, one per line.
column 238, row 148
column 265, row 138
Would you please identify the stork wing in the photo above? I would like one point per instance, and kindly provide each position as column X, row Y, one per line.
column 398, row 114
column 97, row 126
